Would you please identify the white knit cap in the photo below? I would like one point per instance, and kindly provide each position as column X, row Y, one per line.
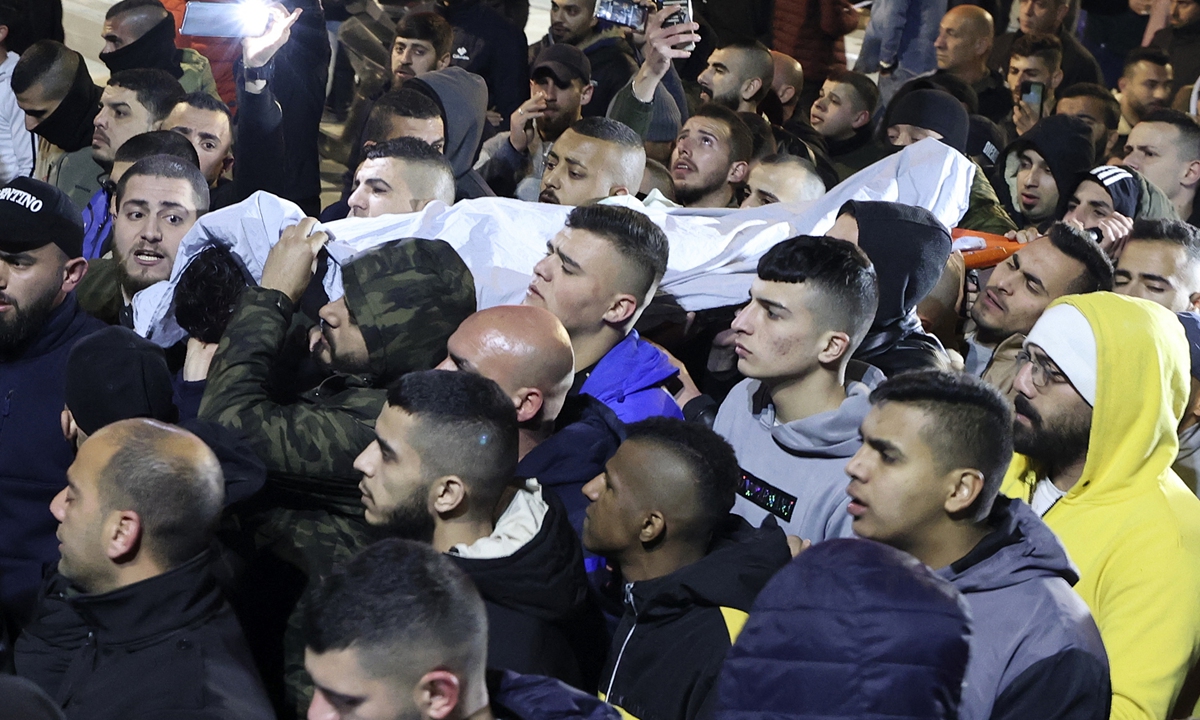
column 1064, row 334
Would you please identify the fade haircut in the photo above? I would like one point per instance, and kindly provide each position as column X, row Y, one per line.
column 1153, row 55
column 157, row 142
column 167, row 166
column 204, row 101
column 741, row 140
column 1098, row 269
column 865, row 95
column 405, row 103
column 969, row 424
column 396, row 601
column 1112, row 108
column 208, row 291
column 50, row 64
column 1188, row 127
column 155, row 89
column 428, row 173
column 465, row 426
column 1178, row 232
column 126, row 5
column 811, row 185
column 840, row 273
column 710, row 462
column 608, row 130
column 758, row 63
column 179, row 501
column 637, row 239
column 427, row 26
column 1047, row 48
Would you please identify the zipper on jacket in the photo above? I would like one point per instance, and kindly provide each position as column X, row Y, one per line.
column 613, row 678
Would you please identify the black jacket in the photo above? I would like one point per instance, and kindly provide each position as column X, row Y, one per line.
column 1066, row 144
column 1078, row 64
column 167, row 647
column 613, row 65
column 488, row 45
column 676, row 629
column 532, row 697
column 1183, row 45
column 541, row 619
column 261, row 150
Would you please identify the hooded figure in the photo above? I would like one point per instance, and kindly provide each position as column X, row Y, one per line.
column 935, row 110
column 1065, row 142
column 70, row 127
column 849, row 629
column 908, row 247
column 1129, row 523
column 155, row 50
column 463, row 99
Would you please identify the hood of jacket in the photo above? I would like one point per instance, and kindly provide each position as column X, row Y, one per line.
column 533, row 697
column 896, row 634
column 153, row 51
column 1133, row 440
column 631, row 366
column 463, row 99
column 407, row 297
column 70, row 125
column 1066, row 144
column 831, row 434
column 1019, row 549
column 740, row 561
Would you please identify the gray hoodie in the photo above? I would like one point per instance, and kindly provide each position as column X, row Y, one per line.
column 795, row 471
column 462, row 97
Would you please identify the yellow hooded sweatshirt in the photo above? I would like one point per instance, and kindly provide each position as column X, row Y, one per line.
column 1130, row 524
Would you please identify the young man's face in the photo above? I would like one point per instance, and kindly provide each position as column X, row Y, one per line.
column 121, row 117
column 1184, row 13
column 80, row 511
column 898, row 488
column 1091, row 111
column 1090, row 204
column 36, row 105
column 571, row 20
column 209, row 132
column 1037, row 190
column 1021, row 287
column 154, row 215
column 835, row 113
column 431, row 130
column 578, row 170
column 722, row 80
column 381, row 188
column 614, row 517
column 1154, row 149
column 1042, row 16
column 1053, row 422
column 1030, row 69
column 777, row 335
column 337, row 343
column 903, row 135
column 564, row 104
column 31, row 284
column 345, row 690
column 395, row 491
column 577, row 280
column 781, row 182
column 1159, row 271
column 702, row 162
column 412, row 58
column 1145, row 87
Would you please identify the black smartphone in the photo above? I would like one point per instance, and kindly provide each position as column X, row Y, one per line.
column 623, row 12
column 1033, row 94
column 226, row 20
column 682, row 15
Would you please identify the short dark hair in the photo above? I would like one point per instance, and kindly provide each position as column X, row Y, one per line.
column 636, row 238
column 866, row 92
column 155, row 89
column 411, row 150
column 1188, row 127
column 709, row 459
column 404, row 102
column 427, row 26
column 1178, row 232
column 1098, row 268
column 741, row 140
column 392, row 597
column 49, row 63
column 167, row 166
column 1112, row 108
column 970, row 424
column 208, row 291
column 466, row 426
column 608, row 130
column 204, row 101
column 1045, row 47
column 839, row 271
column 179, row 501
column 759, row 64
column 157, row 142
column 1151, row 54
column 126, row 5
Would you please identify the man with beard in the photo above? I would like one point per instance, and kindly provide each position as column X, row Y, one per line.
column 1062, row 262
column 711, row 158
column 402, row 300
column 573, row 22
column 594, row 159
column 738, row 76
column 441, row 470
column 157, row 201
column 560, row 83
column 41, row 243
column 1145, row 86
column 400, row 176
column 1102, row 386
column 1181, row 41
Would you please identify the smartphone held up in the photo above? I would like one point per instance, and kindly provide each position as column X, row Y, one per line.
column 632, row 14
column 246, row 18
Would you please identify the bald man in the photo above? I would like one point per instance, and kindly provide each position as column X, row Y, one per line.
column 564, row 442
column 135, row 522
column 787, row 83
column 963, row 45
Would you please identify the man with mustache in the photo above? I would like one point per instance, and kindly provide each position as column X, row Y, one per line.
column 711, row 158
column 738, row 76
column 594, row 159
column 1101, row 387
column 1145, row 87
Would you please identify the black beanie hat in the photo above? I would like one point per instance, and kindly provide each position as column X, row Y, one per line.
column 1121, row 185
column 115, row 374
column 934, row 110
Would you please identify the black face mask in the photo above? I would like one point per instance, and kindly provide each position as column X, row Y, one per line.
column 153, row 51
column 70, row 125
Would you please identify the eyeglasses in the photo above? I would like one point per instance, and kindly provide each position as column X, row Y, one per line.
column 1044, row 372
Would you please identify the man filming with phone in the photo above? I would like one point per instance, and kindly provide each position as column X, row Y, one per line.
column 1034, row 73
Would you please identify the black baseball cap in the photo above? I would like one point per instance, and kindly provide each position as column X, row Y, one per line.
column 565, row 62
column 34, row 214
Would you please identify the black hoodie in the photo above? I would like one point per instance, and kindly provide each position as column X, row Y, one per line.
column 155, row 50
column 1066, row 144
column 676, row 629
column 908, row 247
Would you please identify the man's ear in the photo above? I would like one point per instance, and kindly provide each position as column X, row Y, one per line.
column 862, row 118
column 1121, row 84
column 622, row 308
column 448, row 495
column 73, row 272
column 436, row 694
column 837, row 344
column 67, row 421
column 585, row 96
column 529, row 402
column 227, row 163
column 653, row 526
column 122, row 534
column 616, row 190
column 738, row 172
column 965, row 486
column 3, row 33
column 1191, row 176
column 785, row 94
column 443, row 62
column 1056, row 79
column 750, row 87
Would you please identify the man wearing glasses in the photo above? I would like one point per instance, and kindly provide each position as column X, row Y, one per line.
column 1101, row 385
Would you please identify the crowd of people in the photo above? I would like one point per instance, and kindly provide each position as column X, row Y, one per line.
column 902, row 478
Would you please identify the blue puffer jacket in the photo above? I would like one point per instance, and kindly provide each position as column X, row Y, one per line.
column 526, row 697
column 34, row 456
column 629, row 379
column 849, row 629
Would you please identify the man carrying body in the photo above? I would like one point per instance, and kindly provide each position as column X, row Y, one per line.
column 1165, row 148
column 935, row 448
column 782, row 178
column 738, row 76
column 400, row 176
column 963, row 46
column 1102, row 387
column 711, row 157
column 794, row 421
column 1038, row 169
column 594, row 159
